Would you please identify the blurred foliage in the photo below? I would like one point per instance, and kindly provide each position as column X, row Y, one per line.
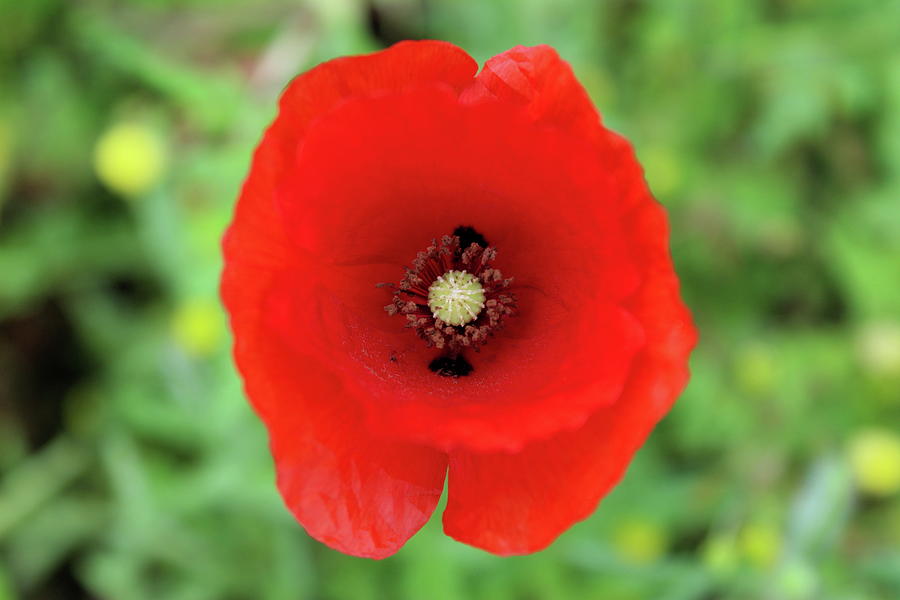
column 132, row 468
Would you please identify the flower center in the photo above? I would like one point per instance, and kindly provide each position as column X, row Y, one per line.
column 456, row 297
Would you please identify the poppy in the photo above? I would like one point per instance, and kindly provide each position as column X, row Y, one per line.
column 438, row 273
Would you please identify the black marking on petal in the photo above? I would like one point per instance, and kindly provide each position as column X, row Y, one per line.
column 469, row 235
column 451, row 366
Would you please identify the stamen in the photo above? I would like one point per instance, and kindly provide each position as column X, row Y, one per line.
column 452, row 296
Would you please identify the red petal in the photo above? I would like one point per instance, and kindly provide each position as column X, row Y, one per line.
column 256, row 245
column 519, row 503
column 537, row 79
column 317, row 91
column 256, row 242
column 543, row 84
column 359, row 495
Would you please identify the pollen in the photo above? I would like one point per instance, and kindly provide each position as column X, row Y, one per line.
column 456, row 297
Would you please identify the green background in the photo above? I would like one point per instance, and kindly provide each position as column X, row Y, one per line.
column 130, row 465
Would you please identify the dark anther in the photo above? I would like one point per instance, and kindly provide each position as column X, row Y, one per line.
column 468, row 236
column 450, row 366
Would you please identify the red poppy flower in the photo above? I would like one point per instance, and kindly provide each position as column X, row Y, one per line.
column 432, row 270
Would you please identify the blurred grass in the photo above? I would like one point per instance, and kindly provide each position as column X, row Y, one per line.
column 130, row 465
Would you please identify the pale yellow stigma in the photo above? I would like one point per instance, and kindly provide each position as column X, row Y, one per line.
column 456, row 298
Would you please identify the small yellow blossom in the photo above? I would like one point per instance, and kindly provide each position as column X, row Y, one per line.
column 760, row 543
column 129, row 159
column 639, row 541
column 755, row 369
column 875, row 459
column 197, row 327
